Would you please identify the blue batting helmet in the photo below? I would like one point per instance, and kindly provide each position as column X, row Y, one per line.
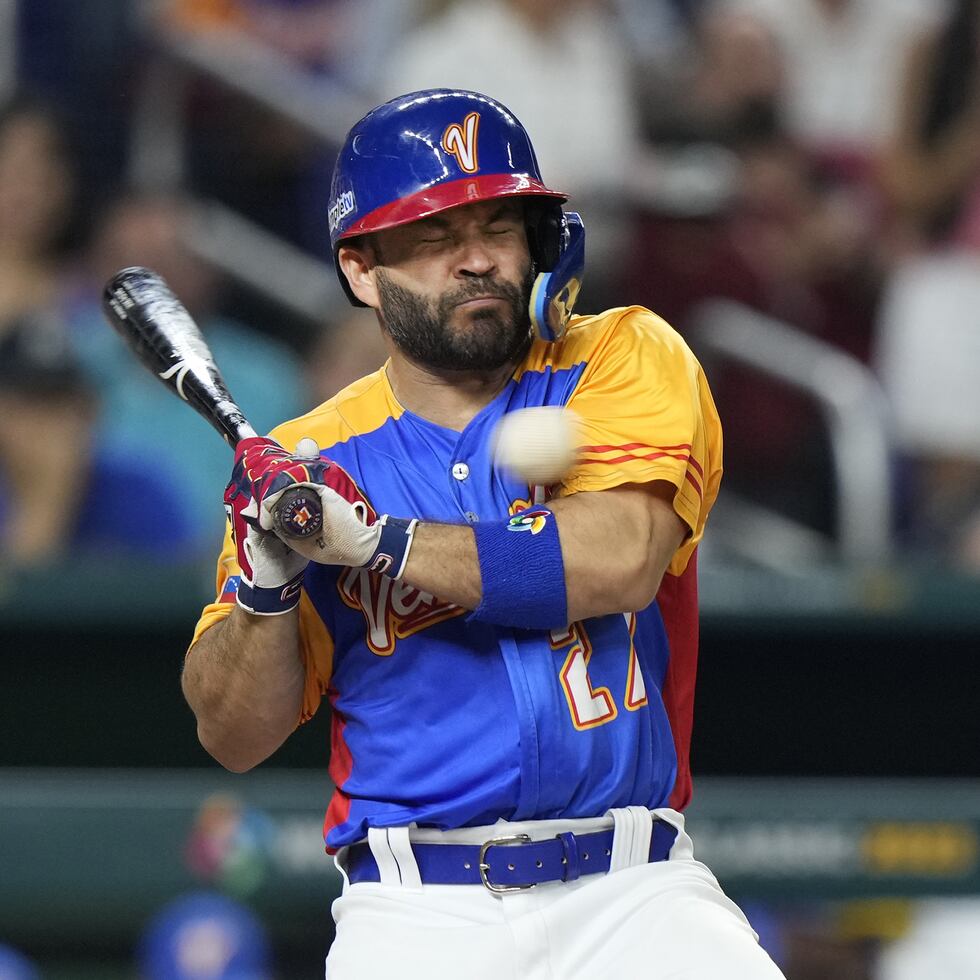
column 428, row 151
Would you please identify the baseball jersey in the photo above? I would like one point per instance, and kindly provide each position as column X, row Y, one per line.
column 448, row 722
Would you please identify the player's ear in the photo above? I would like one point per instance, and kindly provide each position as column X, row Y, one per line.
column 357, row 262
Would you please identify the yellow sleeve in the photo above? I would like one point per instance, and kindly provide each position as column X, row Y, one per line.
column 315, row 642
column 647, row 414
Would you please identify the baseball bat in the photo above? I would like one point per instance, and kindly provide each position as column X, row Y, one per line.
column 157, row 328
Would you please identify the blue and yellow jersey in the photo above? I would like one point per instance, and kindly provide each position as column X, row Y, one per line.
column 449, row 722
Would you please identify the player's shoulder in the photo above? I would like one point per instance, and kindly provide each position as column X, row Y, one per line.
column 624, row 329
column 360, row 408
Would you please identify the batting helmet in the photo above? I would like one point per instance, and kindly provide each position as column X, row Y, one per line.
column 428, row 151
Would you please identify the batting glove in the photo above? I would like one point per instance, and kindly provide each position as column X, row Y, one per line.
column 272, row 573
column 352, row 534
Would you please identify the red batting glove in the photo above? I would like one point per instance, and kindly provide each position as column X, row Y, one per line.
column 272, row 572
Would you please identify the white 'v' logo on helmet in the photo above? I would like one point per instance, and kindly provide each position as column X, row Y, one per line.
column 460, row 141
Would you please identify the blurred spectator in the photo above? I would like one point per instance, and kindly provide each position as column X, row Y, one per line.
column 656, row 30
column 60, row 491
column 931, row 167
column 37, row 190
column 928, row 344
column 777, row 235
column 45, row 442
column 559, row 65
column 843, row 59
column 726, row 88
column 770, row 238
column 307, row 31
column 56, row 487
column 838, row 105
column 60, row 488
column 928, row 357
column 140, row 415
column 941, row 943
column 205, row 936
column 556, row 63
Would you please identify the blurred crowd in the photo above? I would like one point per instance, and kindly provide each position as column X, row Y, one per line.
column 815, row 161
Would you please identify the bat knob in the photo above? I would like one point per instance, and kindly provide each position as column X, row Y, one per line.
column 298, row 513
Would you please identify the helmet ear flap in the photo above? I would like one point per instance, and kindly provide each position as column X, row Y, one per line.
column 555, row 290
column 545, row 234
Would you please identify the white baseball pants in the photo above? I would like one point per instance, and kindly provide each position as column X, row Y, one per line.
column 668, row 920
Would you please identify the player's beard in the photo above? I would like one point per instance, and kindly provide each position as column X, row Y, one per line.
column 489, row 338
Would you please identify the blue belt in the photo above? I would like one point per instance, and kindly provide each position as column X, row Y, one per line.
column 512, row 863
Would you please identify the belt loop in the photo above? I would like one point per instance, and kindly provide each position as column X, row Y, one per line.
column 340, row 862
column 632, row 827
column 399, row 841
column 573, row 866
column 387, row 865
column 682, row 848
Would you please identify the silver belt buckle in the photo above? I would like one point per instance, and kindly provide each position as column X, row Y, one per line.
column 484, row 867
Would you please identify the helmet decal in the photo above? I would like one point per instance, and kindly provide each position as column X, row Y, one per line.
column 343, row 206
column 460, row 141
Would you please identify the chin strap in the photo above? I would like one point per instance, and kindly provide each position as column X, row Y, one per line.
column 555, row 292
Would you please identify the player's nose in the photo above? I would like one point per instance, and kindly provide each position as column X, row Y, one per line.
column 474, row 258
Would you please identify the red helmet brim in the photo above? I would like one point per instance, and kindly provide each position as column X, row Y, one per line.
column 451, row 194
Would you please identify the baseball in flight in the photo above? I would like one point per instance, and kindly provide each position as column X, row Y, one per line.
column 539, row 444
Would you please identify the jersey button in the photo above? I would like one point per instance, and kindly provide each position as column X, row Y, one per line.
column 460, row 471
column 472, row 518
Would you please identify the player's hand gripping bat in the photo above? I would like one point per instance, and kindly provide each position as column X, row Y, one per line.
column 160, row 332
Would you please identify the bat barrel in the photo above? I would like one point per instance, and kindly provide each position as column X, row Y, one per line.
column 143, row 310
column 161, row 333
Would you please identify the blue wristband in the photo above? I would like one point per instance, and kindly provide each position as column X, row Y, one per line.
column 394, row 544
column 522, row 572
column 270, row 602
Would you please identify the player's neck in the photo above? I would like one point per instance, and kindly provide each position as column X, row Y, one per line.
column 448, row 398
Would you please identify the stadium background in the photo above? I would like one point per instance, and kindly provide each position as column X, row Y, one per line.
column 728, row 181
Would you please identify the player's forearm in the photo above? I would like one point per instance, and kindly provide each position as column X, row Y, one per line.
column 615, row 548
column 614, row 553
column 443, row 562
column 243, row 680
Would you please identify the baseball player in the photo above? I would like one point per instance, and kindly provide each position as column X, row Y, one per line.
column 510, row 668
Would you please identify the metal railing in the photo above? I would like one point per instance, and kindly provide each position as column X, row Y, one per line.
column 852, row 405
column 319, row 107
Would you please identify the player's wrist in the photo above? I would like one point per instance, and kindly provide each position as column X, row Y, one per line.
column 391, row 546
column 272, row 575
column 265, row 601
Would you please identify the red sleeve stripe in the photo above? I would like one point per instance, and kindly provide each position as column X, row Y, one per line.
column 631, row 445
column 663, row 450
column 687, row 474
column 629, row 456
